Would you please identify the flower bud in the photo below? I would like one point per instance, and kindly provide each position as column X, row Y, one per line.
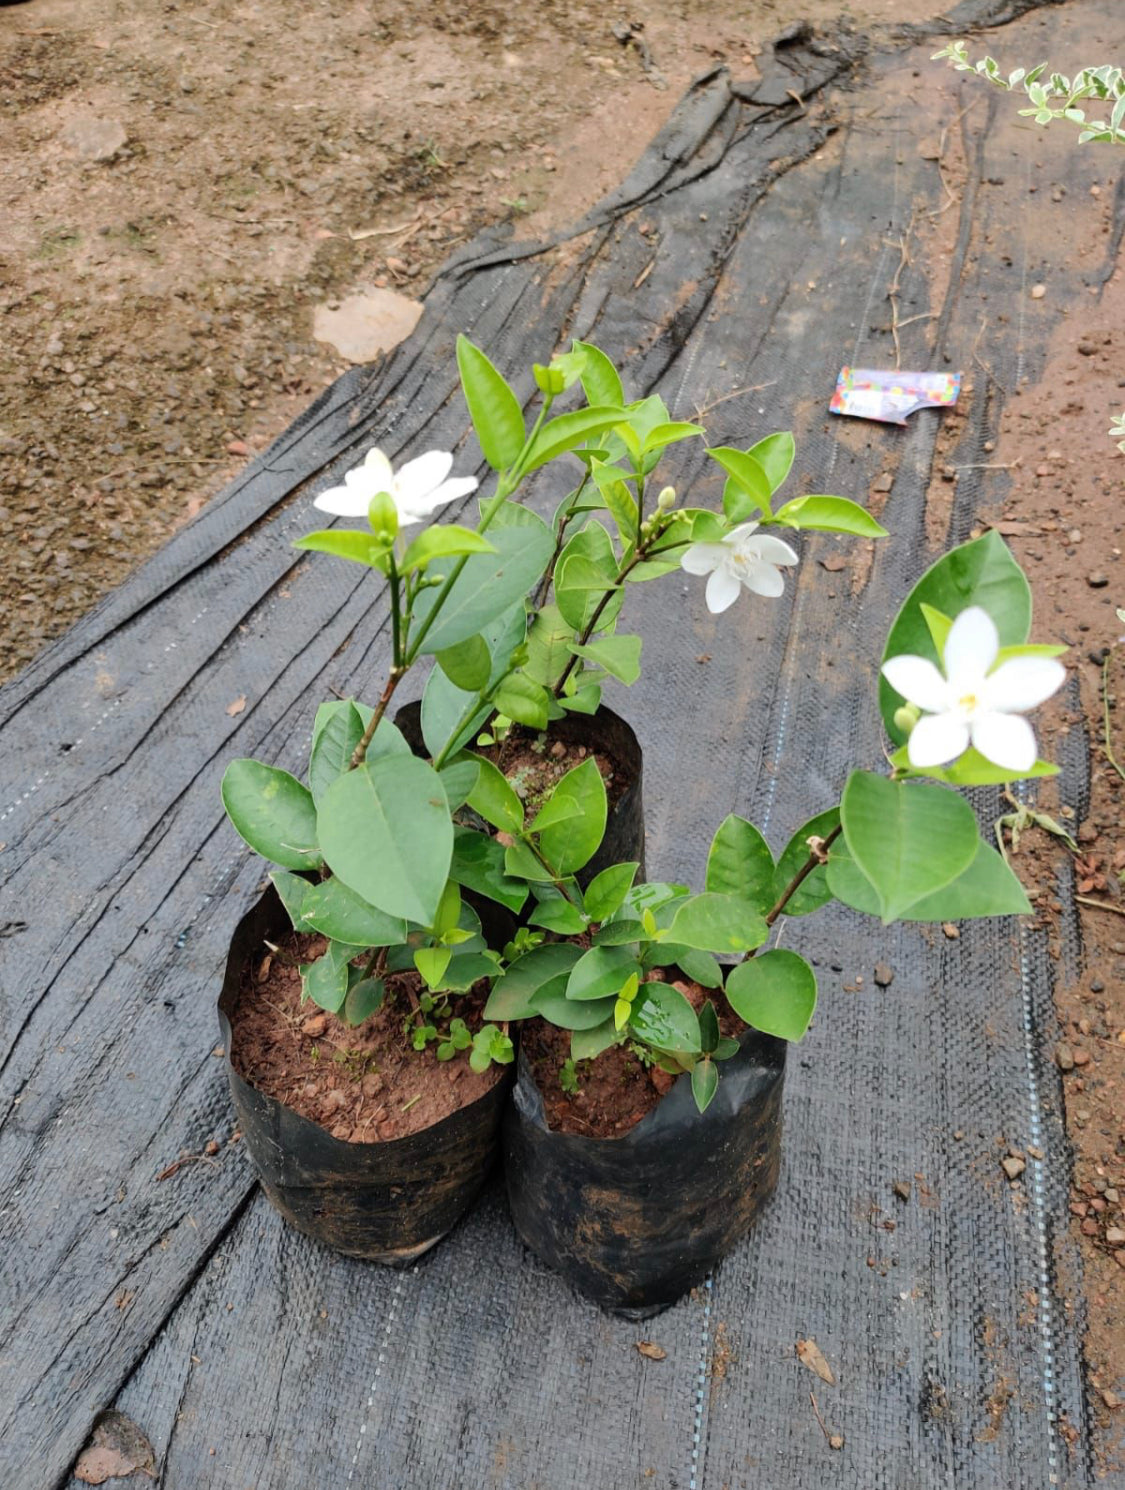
column 382, row 517
column 667, row 499
column 907, row 717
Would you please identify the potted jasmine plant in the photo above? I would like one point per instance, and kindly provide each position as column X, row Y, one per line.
column 644, row 1132
column 369, row 1080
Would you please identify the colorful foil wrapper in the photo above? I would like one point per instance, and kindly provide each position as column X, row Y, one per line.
column 890, row 397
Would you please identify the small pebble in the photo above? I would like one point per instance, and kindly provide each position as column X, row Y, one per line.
column 1038, row 291
column 1013, row 1165
column 1097, row 580
column 884, row 975
column 901, row 1189
column 951, row 931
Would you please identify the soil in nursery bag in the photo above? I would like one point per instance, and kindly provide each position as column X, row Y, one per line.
column 363, row 1084
column 617, row 1089
column 927, row 1295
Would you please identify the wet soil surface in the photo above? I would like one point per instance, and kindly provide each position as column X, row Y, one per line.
column 534, row 765
column 183, row 186
column 364, row 1085
column 616, row 1089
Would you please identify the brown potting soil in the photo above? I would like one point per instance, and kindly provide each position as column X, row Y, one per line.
column 364, row 1085
column 616, row 1089
column 534, row 765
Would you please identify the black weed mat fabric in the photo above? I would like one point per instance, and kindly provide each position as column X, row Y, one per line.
column 748, row 256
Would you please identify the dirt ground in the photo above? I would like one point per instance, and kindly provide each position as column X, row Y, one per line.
column 156, row 308
column 156, row 330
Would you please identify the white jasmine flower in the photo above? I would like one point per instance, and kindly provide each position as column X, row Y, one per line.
column 970, row 704
column 418, row 489
column 743, row 557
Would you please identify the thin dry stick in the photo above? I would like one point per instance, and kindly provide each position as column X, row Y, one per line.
column 1109, row 755
column 714, row 404
column 943, row 140
column 1100, row 905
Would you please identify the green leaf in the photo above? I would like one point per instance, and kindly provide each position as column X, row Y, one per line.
column 570, row 844
column 740, row 863
column 522, row 863
column 938, row 625
column 814, row 891
column 553, row 1005
column 587, row 1045
column 467, row 969
column 776, row 993
column 746, row 478
column 342, row 915
column 325, row 981
column 714, row 922
column 600, row 381
column 663, row 1017
column 585, row 700
column 292, row 890
column 445, row 542
column 444, row 705
column 494, row 799
column 363, row 999
column 548, row 646
column 669, row 434
column 337, row 730
column 273, row 813
column 601, row 972
column 709, row 1033
column 512, row 993
column 488, row 585
column 348, row 543
column 448, row 913
column 700, row 967
column 568, row 431
column 478, row 865
column 459, row 779
column 559, row 915
column 493, row 407
column 907, row 840
column 829, row 515
column 385, row 830
column 580, row 587
column 522, row 699
column 619, row 655
column 987, row 888
column 467, row 665
column 775, row 456
column 981, row 572
column 432, row 962
column 618, row 499
column 555, row 810
column 704, row 1083
column 971, row 769
column 606, row 892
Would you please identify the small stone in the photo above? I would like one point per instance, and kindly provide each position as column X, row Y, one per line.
column 1013, row 1165
column 1119, row 1258
column 1114, row 1236
column 1090, row 1227
column 1064, row 1057
column 367, row 324
column 1113, row 1195
column 334, row 1100
column 1111, row 1399
column 951, row 931
column 315, row 1026
column 95, row 139
column 884, row 975
column 558, row 750
column 238, row 447
column 1038, row 291
column 212, row 1148
column 1088, row 833
column 1097, row 580
column 1081, row 1057
column 1088, row 348
column 901, row 1189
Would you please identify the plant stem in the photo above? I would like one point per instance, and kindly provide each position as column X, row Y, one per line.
column 359, row 754
column 815, row 859
column 471, row 709
column 505, row 486
column 564, row 886
column 560, row 543
column 376, row 962
column 591, row 625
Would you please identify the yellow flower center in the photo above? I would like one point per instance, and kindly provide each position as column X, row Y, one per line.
column 969, row 702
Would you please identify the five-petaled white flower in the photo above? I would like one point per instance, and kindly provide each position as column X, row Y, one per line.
column 742, row 557
column 418, row 489
column 970, row 704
